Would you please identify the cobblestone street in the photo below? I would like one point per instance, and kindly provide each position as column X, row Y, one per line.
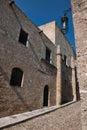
column 66, row 118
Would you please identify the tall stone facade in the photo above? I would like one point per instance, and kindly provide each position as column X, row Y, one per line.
column 34, row 72
column 66, row 58
column 79, row 11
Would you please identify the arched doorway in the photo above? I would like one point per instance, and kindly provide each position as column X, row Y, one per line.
column 45, row 96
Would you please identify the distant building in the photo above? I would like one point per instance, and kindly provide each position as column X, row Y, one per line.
column 36, row 64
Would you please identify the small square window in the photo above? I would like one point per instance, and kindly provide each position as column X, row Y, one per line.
column 23, row 37
column 48, row 53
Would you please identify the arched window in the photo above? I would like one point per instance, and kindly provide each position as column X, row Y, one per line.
column 16, row 77
column 45, row 96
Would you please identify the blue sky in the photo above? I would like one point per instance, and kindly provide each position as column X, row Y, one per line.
column 44, row 11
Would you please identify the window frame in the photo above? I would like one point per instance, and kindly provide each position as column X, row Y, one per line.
column 23, row 37
column 17, row 77
column 48, row 55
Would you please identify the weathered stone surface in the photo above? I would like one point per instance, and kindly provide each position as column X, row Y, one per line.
column 31, row 59
column 65, row 118
column 28, row 59
column 79, row 9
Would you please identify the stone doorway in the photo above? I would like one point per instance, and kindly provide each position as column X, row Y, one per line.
column 45, row 96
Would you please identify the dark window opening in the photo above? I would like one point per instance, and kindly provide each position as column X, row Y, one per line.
column 64, row 59
column 45, row 98
column 16, row 77
column 65, row 83
column 48, row 53
column 23, row 37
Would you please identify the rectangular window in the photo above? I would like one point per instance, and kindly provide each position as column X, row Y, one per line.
column 65, row 59
column 23, row 37
column 48, row 53
column 16, row 77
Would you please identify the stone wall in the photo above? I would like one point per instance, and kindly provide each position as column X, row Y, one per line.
column 67, row 88
column 66, row 83
column 79, row 18
column 79, row 11
column 36, row 73
column 53, row 32
column 31, row 60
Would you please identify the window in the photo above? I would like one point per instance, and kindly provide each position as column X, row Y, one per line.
column 16, row 77
column 64, row 59
column 48, row 53
column 65, row 83
column 23, row 37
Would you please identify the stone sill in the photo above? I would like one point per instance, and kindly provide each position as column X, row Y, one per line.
column 47, row 63
column 18, row 118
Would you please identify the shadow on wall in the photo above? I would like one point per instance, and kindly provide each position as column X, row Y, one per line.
column 7, row 91
column 66, row 91
column 4, row 74
column 21, row 26
column 77, row 85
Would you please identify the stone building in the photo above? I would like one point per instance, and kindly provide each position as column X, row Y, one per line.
column 67, row 66
column 36, row 67
column 79, row 11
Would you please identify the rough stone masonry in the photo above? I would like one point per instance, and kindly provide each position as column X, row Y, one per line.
column 79, row 11
column 34, row 71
